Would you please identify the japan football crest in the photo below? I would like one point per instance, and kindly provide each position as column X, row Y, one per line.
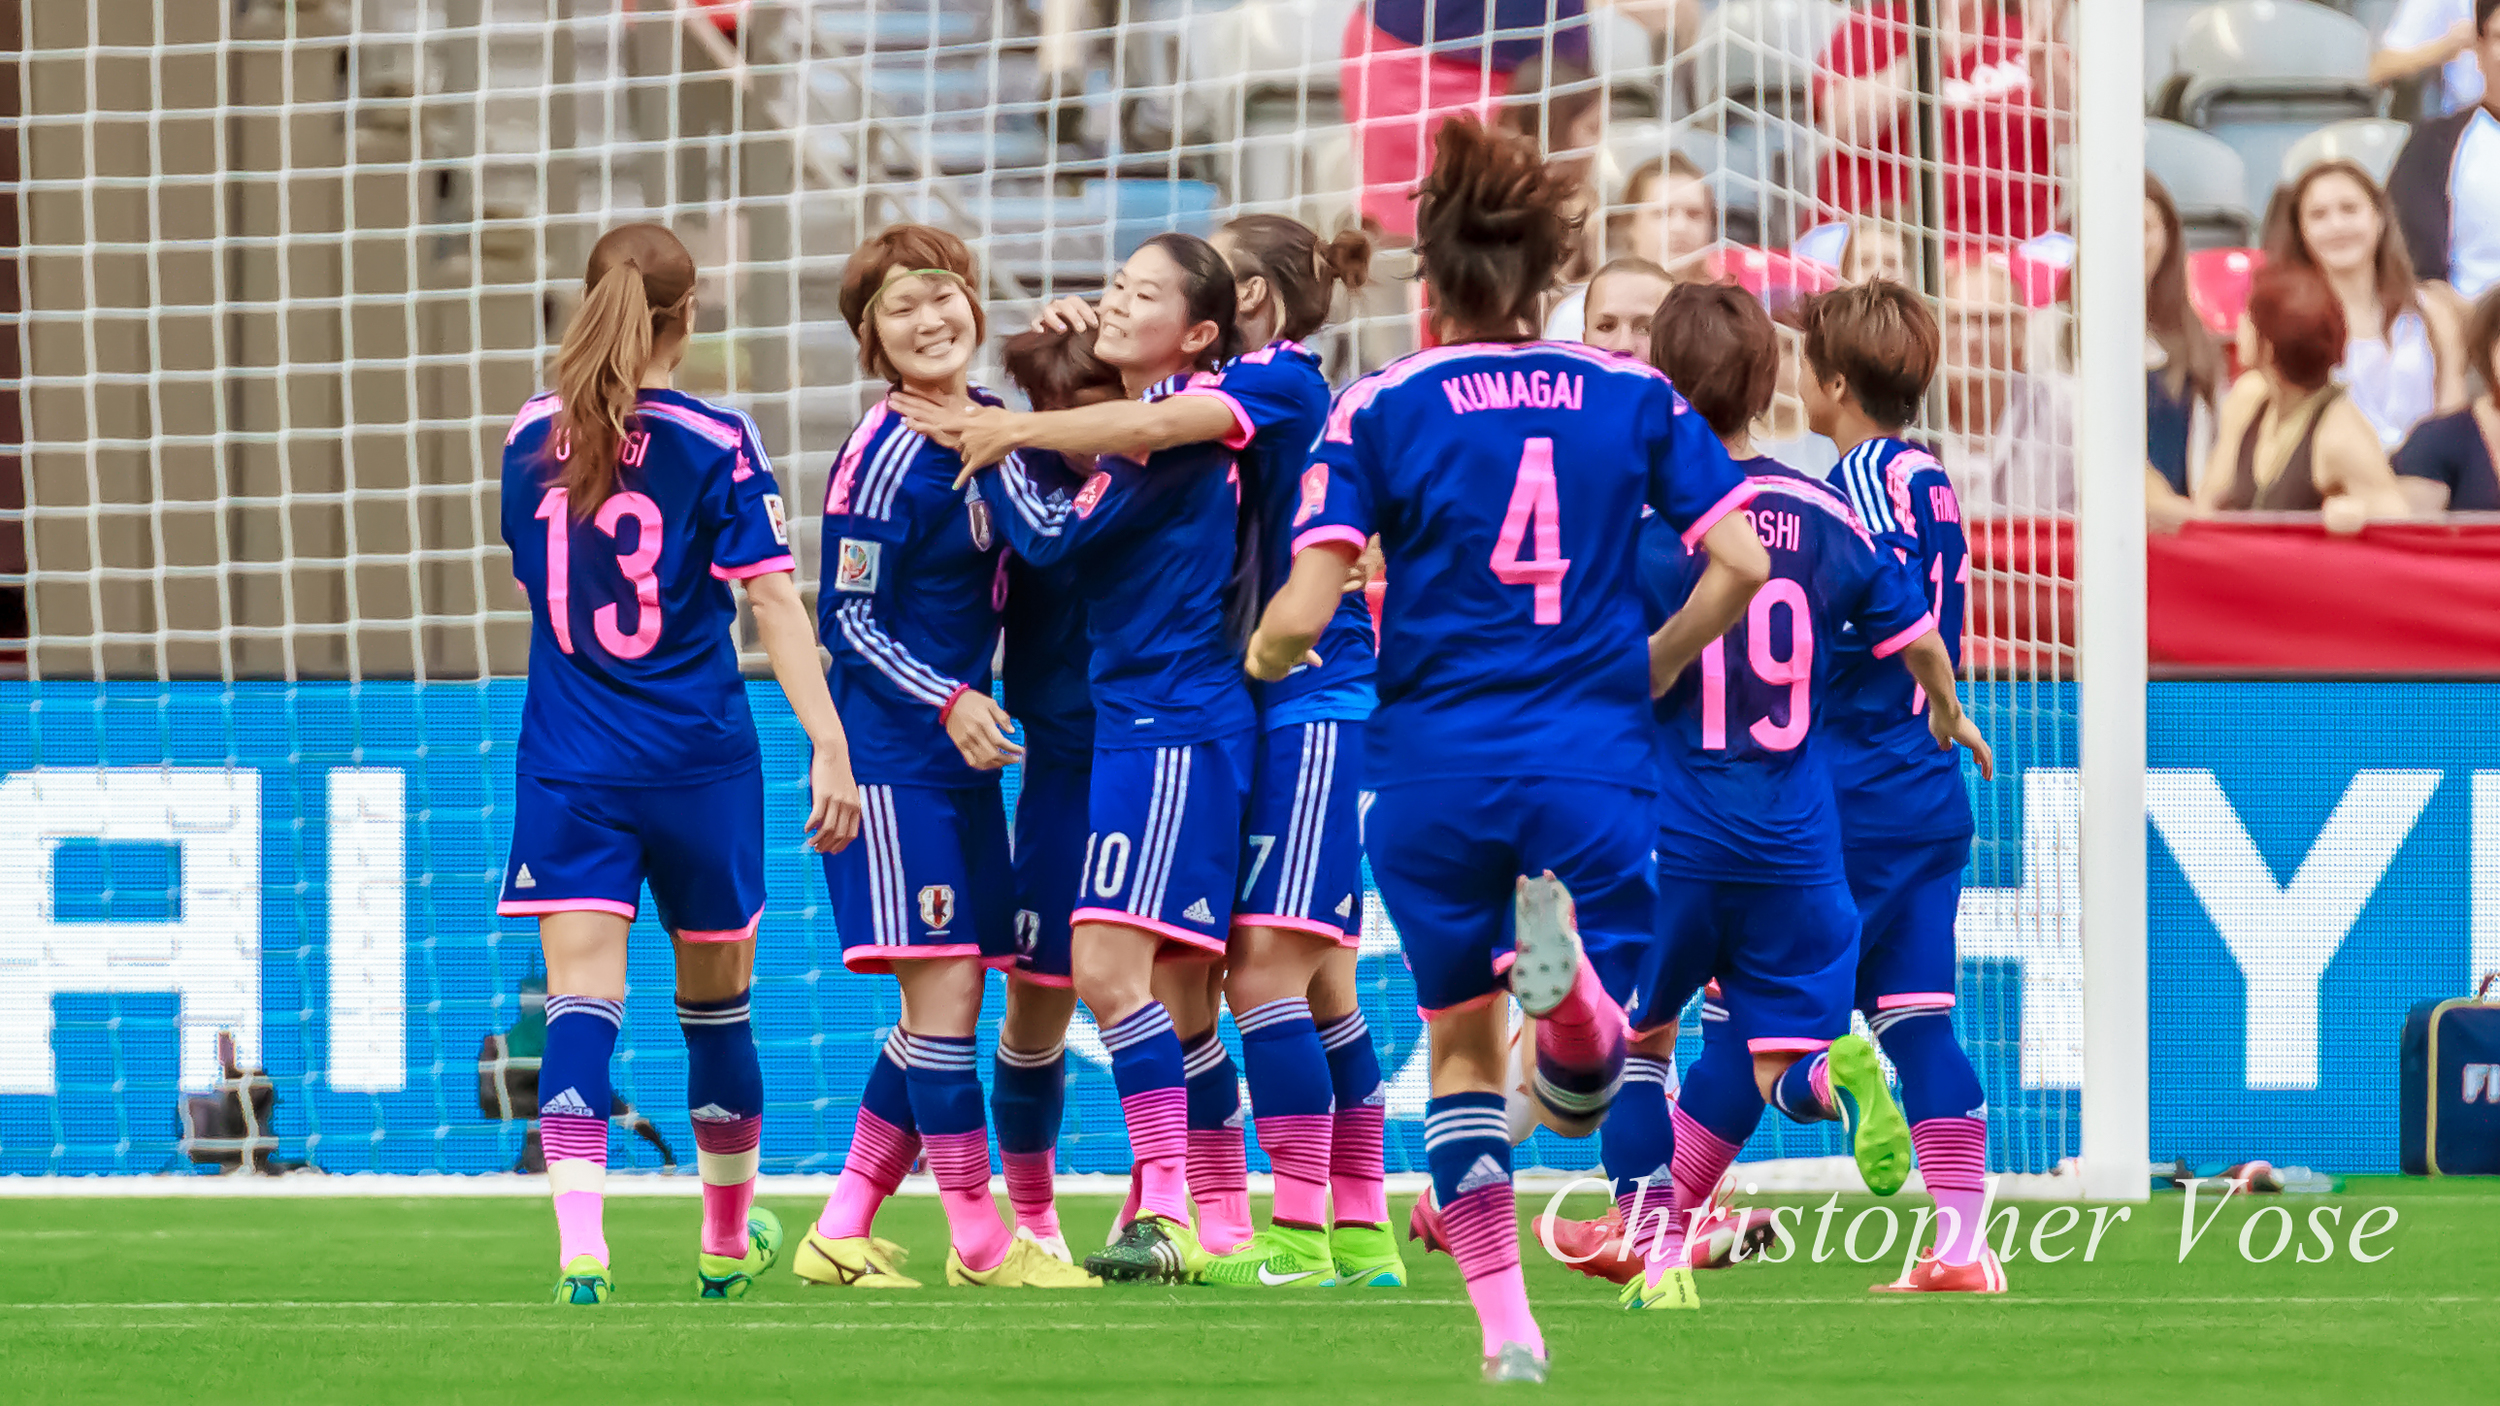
column 937, row 907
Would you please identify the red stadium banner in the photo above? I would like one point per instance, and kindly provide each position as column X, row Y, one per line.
column 2273, row 593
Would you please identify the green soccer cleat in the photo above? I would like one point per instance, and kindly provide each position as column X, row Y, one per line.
column 1150, row 1250
column 1674, row 1291
column 1878, row 1134
column 720, row 1277
column 1279, row 1257
column 585, row 1282
column 1366, row 1257
column 1515, row 1363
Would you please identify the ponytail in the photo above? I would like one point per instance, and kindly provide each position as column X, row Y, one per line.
column 638, row 283
column 1301, row 269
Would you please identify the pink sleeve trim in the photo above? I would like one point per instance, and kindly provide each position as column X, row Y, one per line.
column 538, row 906
column 1317, row 535
column 1243, row 430
column 1779, row 1043
column 766, row 567
column 948, row 707
column 1926, row 625
column 1931, row 1000
column 726, row 934
column 1736, row 498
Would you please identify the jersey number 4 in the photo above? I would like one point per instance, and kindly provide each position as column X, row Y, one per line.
column 1534, row 520
column 1795, row 673
column 556, row 511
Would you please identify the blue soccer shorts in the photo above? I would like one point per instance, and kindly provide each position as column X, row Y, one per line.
column 1907, row 898
column 1164, row 840
column 578, row 846
column 1784, row 956
column 1049, row 850
column 1448, row 855
column 1302, row 854
column 927, row 877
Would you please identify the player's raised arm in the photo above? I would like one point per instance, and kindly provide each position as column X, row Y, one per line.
column 1696, row 488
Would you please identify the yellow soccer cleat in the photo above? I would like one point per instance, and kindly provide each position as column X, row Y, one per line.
column 853, row 1262
column 1673, row 1291
column 1028, row 1265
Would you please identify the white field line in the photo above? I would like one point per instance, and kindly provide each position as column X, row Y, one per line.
column 1322, row 1304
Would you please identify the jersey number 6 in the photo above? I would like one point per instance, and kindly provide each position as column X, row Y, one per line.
column 555, row 510
column 1533, row 507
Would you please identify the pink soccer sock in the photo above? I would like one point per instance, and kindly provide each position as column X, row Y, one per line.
column 1482, row 1229
column 1298, row 1151
column 961, row 1164
column 1580, row 1046
column 1357, row 1170
column 1158, row 1140
column 1701, row 1158
column 725, row 1152
column 1219, row 1182
column 881, row 1155
column 1953, row 1159
column 577, row 1173
column 1029, row 1190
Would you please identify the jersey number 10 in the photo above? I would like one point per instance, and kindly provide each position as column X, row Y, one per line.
column 556, row 511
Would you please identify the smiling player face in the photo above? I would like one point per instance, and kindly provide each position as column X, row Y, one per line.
column 1145, row 318
column 925, row 325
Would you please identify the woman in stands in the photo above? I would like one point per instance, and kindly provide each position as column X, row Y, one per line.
column 909, row 611
column 629, row 508
column 1510, row 762
column 2183, row 367
column 2290, row 439
column 1672, row 221
column 2404, row 357
column 1298, row 918
column 2446, row 466
column 1175, row 732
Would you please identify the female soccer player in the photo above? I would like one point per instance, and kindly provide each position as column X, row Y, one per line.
column 1313, row 1072
column 1505, row 479
column 1905, row 817
column 1174, row 730
column 629, row 508
column 909, row 607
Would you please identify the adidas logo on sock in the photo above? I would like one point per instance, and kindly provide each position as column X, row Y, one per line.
column 1486, row 1172
column 712, row 1113
column 1377, row 1098
column 1234, row 1120
column 1198, row 912
column 569, row 1104
column 523, row 880
column 1345, row 906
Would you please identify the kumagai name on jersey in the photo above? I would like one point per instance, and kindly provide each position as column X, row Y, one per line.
column 1506, row 484
column 1744, row 792
column 1893, row 783
column 909, row 603
column 633, row 674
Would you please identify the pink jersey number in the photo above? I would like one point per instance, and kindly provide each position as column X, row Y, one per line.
column 1795, row 672
column 1533, row 505
column 637, row 565
column 1935, row 577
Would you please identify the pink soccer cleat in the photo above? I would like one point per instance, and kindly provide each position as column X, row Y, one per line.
column 1933, row 1276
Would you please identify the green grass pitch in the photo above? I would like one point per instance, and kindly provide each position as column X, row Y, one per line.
column 269, row 1300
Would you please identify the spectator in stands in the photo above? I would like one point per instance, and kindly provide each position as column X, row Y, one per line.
column 2446, row 181
column 1876, row 249
column 1410, row 65
column 2007, row 101
column 1783, row 432
column 2406, row 360
column 2008, row 433
column 2447, row 465
column 2290, row 439
column 1671, row 219
column 1622, row 300
column 2182, row 368
column 2427, row 35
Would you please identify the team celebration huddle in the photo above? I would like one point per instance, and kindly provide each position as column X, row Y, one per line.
column 1645, row 717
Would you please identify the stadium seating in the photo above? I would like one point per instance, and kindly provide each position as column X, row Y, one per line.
column 2262, row 74
column 2371, row 141
column 2205, row 178
column 1752, row 75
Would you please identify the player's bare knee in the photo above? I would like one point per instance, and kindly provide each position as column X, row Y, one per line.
column 1768, row 1066
column 941, row 995
column 714, row 971
column 1037, row 1014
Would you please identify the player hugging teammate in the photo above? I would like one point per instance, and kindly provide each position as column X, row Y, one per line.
column 1648, row 714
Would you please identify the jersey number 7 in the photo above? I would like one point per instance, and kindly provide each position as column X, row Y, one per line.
column 1535, row 509
column 555, row 510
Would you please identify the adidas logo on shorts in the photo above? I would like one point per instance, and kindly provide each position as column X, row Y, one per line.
column 1198, row 912
column 523, row 880
column 1345, row 906
column 568, row 1104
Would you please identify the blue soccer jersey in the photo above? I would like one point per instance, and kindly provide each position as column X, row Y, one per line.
column 1744, row 793
column 1047, row 652
column 1279, row 402
column 1152, row 552
column 909, row 602
column 1894, row 783
column 633, row 668
column 1506, row 484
